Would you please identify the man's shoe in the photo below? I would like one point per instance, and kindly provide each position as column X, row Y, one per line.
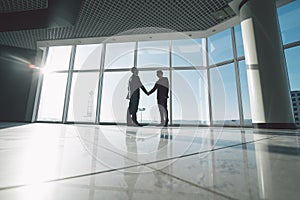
column 137, row 124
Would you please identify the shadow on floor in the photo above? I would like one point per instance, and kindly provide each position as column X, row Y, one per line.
column 4, row 125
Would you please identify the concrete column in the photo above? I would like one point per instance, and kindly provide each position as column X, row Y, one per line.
column 270, row 99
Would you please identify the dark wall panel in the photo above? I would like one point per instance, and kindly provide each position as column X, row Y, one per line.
column 15, row 82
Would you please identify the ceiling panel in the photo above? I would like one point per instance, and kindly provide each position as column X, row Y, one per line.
column 102, row 18
column 8, row 6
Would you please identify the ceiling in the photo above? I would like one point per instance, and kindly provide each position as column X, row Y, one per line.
column 104, row 18
column 9, row 6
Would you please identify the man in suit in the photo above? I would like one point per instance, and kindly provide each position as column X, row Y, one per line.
column 162, row 87
column 134, row 86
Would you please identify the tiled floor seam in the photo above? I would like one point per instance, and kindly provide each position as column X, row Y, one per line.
column 196, row 153
column 139, row 164
column 196, row 185
column 71, row 177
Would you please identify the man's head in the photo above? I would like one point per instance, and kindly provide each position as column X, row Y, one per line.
column 135, row 71
column 159, row 73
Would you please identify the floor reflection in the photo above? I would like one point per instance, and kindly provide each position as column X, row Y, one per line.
column 50, row 161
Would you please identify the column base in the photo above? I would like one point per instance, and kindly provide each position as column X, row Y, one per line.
column 275, row 125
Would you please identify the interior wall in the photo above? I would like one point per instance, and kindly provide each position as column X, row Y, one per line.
column 15, row 83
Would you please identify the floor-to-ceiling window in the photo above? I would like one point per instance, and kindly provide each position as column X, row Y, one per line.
column 245, row 93
column 290, row 27
column 220, row 47
column 84, row 84
column 184, row 62
column 151, row 56
column 239, row 41
column 190, row 97
column 208, row 77
column 288, row 16
column 293, row 66
column 119, row 59
column 224, row 95
column 55, row 75
column 223, row 84
column 190, row 103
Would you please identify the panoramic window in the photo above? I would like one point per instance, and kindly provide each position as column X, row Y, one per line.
column 239, row 40
column 83, row 98
column 119, row 55
column 245, row 93
column 150, row 56
column 58, row 58
column 187, row 52
column 52, row 97
column 293, row 67
column 113, row 102
column 220, row 47
column 190, row 97
column 87, row 57
column 153, row 54
column 148, row 104
column 54, row 84
column 289, row 22
column 224, row 96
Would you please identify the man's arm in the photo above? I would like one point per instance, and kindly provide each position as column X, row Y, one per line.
column 153, row 89
column 144, row 90
column 141, row 86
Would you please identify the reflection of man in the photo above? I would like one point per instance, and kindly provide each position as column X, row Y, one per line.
column 134, row 96
column 162, row 87
column 131, row 177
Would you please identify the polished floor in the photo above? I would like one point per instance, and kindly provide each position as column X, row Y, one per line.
column 56, row 161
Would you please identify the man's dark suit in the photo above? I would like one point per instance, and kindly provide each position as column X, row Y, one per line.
column 162, row 87
column 134, row 96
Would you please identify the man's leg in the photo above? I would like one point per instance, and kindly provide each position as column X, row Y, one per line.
column 134, row 119
column 128, row 118
column 166, row 113
column 133, row 115
column 161, row 112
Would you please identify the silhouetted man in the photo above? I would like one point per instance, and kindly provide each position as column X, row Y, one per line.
column 134, row 86
column 162, row 87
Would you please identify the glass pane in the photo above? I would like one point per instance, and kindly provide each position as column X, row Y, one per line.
column 87, row 57
column 190, row 97
column 83, row 98
column 224, row 95
column 119, row 55
column 149, row 103
column 114, row 103
column 245, row 93
column 293, row 67
column 187, row 52
column 220, row 47
column 153, row 54
column 239, row 41
column 289, row 22
column 52, row 97
column 58, row 58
